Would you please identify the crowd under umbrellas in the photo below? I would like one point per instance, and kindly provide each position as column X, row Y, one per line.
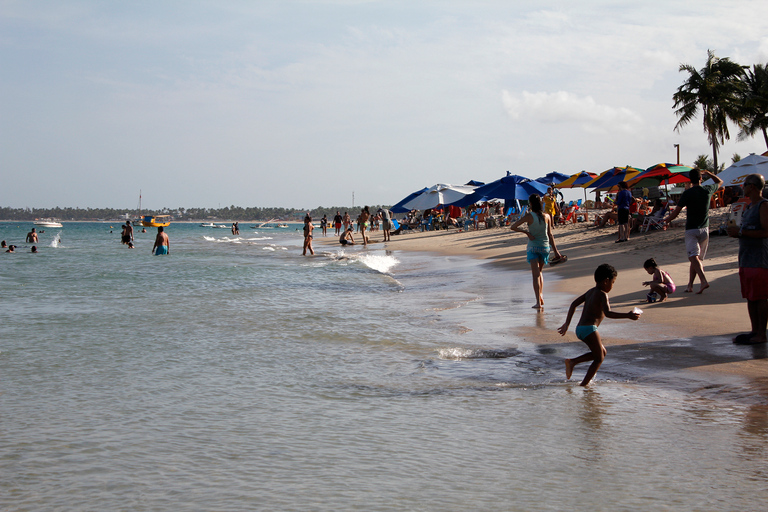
column 514, row 189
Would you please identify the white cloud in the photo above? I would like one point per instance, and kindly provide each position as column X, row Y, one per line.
column 565, row 107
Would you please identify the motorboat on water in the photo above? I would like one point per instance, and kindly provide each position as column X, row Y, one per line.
column 207, row 225
column 156, row 221
column 48, row 223
column 282, row 225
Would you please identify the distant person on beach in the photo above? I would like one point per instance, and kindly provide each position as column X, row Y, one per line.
column 32, row 237
column 308, row 228
column 696, row 200
column 162, row 243
column 661, row 284
column 127, row 235
column 624, row 201
column 130, row 245
column 324, row 225
column 337, row 221
column 346, row 238
column 550, row 204
column 34, row 249
column 386, row 223
column 11, row 248
column 753, row 259
column 3, row 245
column 596, row 308
column 365, row 216
column 347, row 220
column 540, row 240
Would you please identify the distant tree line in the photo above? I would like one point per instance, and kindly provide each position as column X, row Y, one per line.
column 179, row 214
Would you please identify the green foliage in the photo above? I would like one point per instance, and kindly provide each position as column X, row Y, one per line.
column 705, row 163
column 717, row 89
column 754, row 106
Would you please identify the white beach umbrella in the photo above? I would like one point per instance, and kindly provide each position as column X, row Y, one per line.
column 738, row 172
column 438, row 194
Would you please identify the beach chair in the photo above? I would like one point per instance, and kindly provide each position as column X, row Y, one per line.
column 569, row 213
column 655, row 221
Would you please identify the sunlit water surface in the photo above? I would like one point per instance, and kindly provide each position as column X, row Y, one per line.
column 235, row 374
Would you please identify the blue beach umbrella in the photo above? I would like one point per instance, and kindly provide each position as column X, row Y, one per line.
column 509, row 188
column 552, row 178
column 399, row 208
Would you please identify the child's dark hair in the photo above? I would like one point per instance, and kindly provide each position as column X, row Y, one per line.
column 650, row 263
column 605, row 271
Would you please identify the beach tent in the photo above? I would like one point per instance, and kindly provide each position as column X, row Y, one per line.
column 438, row 194
column 737, row 173
column 473, row 183
column 509, row 188
column 553, row 178
column 398, row 208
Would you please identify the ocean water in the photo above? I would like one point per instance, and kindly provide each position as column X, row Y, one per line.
column 235, row 374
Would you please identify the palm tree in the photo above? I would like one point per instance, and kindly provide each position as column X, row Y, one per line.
column 717, row 88
column 755, row 103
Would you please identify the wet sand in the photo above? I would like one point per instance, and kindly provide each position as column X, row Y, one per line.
column 688, row 332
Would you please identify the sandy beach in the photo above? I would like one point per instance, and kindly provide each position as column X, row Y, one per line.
column 710, row 319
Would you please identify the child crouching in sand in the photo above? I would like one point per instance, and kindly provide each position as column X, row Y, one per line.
column 596, row 307
column 661, row 283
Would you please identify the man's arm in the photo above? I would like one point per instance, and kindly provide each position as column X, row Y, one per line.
column 672, row 216
column 718, row 181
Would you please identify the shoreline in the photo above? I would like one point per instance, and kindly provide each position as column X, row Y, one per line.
column 705, row 322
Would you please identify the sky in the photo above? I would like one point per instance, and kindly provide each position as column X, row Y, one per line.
column 306, row 103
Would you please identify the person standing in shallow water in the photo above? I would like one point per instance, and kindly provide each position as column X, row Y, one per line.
column 540, row 240
column 308, row 228
column 753, row 260
column 365, row 215
column 162, row 243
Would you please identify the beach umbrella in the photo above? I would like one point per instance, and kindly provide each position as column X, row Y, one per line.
column 398, row 208
column 438, row 194
column 509, row 188
column 610, row 178
column 738, row 172
column 661, row 173
column 553, row 178
column 578, row 179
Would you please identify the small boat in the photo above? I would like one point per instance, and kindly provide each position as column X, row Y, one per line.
column 155, row 221
column 282, row 225
column 48, row 223
column 207, row 225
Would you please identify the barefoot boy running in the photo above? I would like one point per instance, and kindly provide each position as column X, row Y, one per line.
column 596, row 308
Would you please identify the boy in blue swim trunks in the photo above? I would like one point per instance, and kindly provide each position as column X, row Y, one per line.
column 596, row 308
